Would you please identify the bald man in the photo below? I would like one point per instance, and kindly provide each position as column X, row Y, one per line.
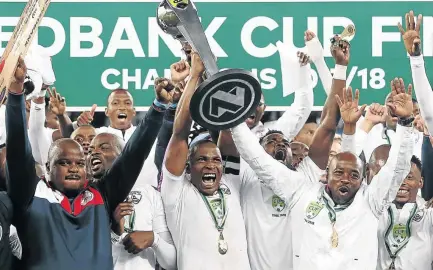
column 70, row 215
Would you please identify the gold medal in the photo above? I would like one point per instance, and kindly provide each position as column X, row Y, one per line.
column 222, row 245
column 334, row 237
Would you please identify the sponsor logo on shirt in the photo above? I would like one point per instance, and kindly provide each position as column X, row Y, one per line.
column 279, row 205
column 313, row 209
column 419, row 215
column 87, row 197
column 225, row 189
column 134, row 197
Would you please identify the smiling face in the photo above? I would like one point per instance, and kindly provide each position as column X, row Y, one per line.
column 67, row 167
column 103, row 151
column 205, row 167
column 409, row 189
column 344, row 177
column 120, row 109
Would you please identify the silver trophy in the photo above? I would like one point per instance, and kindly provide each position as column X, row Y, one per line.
column 225, row 98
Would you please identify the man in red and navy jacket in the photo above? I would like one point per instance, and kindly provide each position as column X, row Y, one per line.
column 64, row 222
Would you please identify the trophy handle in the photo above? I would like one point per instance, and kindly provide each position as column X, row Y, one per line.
column 192, row 30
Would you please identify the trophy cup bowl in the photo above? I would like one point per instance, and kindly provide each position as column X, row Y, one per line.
column 168, row 21
column 225, row 98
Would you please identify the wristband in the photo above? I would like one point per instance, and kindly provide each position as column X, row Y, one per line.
column 406, row 121
column 340, row 72
column 173, row 106
column 160, row 105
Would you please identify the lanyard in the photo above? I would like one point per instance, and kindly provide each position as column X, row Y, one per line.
column 219, row 226
column 408, row 233
column 333, row 216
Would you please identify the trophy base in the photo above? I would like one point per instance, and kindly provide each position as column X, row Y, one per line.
column 225, row 99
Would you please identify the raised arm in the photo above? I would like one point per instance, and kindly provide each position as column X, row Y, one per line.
column 350, row 113
column 177, row 150
column 324, row 136
column 119, row 180
column 423, row 89
column 292, row 121
column 167, row 124
column 36, row 127
column 384, row 186
column 315, row 50
column 176, row 155
column 283, row 181
column 20, row 165
column 58, row 107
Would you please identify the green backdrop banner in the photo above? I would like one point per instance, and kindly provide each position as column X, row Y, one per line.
column 104, row 45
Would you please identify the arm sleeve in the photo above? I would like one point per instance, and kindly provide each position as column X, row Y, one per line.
column 39, row 138
column 119, row 180
column 163, row 245
column 360, row 140
column 292, row 121
column 171, row 188
column 315, row 51
column 423, row 89
column 348, row 143
column 427, row 171
column 164, row 136
column 384, row 186
column 283, row 181
column 20, row 165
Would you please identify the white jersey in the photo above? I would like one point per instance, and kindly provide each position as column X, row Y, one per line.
column 149, row 171
column 356, row 226
column 417, row 253
column 267, row 219
column 148, row 216
column 193, row 229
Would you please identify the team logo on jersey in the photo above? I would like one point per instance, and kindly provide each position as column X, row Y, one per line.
column 313, row 209
column 135, row 197
column 419, row 215
column 399, row 233
column 87, row 197
column 225, row 189
column 278, row 204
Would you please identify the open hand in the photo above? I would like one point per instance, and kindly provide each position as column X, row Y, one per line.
column 411, row 36
column 401, row 104
column 57, row 103
column 138, row 241
column 350, row 113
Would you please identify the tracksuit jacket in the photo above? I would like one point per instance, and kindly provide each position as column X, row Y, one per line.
column 61, row 233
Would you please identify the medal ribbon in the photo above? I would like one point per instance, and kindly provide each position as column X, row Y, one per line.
column 408, row 233
column 218, row 226
column 332, row 215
